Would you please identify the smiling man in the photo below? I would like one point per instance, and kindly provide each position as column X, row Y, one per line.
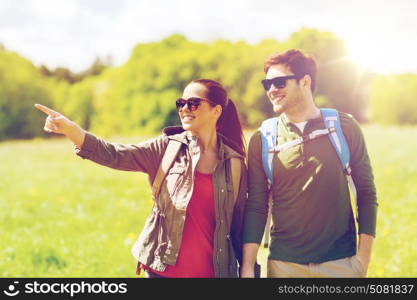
column 313, row 232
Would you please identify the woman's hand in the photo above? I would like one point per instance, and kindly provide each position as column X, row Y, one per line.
column 247, row 271
column 55, row 122
column 58, row 123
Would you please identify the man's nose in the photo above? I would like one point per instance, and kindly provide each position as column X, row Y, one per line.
column 272, row 88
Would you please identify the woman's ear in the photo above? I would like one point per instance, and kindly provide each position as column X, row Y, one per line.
column 218, row 110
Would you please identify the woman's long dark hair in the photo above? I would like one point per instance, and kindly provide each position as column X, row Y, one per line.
column 228, row 125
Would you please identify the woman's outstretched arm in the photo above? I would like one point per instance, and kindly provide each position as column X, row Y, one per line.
column 143, row 157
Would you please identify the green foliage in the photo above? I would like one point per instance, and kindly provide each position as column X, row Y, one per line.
column 139, row 96
column 393, row 99
column 21, row 86
column 64, row 74
column 324, row 46
column 141, row 93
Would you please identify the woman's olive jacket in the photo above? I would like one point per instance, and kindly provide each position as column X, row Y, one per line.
column 160, row 240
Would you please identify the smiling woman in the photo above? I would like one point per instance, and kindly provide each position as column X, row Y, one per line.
column 198, row 180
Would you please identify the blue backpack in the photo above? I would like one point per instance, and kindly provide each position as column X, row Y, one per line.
column 334, row 132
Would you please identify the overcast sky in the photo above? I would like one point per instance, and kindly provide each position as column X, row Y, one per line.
column 381, row 35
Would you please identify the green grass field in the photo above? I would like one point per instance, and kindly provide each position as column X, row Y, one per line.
column 61, row 216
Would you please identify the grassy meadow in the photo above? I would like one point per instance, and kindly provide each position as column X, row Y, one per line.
column 61, row 216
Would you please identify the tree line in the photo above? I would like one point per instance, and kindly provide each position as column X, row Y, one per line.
column 138, row 97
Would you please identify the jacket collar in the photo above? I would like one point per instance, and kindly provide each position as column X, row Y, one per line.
column 177, row 133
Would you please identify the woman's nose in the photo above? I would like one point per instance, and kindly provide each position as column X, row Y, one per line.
column 184, row 109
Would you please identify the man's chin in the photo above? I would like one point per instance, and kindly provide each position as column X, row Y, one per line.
column 278, row 109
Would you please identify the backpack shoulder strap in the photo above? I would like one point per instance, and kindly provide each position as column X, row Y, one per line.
column 236, row 167
column 269, row 133
column 331, row 118
column 337, row 138
column 168, row 159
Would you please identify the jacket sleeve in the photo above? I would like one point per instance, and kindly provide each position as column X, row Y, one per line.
column 143, row 157
column 238, row 212
column 256, row 210
column 362, row 175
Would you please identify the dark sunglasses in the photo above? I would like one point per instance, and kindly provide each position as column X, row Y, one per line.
column 192, row 103
column 278, row 82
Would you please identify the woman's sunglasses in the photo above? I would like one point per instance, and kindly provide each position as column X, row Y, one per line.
column 278, row 82
column 192, row 103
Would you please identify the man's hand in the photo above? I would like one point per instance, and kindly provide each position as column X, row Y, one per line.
column 365, row 250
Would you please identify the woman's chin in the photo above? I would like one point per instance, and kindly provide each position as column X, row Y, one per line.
column 187, row 126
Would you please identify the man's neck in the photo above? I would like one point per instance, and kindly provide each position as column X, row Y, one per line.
column 302, row 113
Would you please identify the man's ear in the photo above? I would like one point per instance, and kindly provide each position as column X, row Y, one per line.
column 306, row 81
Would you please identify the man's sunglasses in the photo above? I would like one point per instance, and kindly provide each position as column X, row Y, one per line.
column 278, row 82
column 192, row 103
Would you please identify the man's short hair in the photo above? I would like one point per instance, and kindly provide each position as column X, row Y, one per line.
column 299, row 63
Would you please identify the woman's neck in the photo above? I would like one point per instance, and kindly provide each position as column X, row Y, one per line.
column 207, row 140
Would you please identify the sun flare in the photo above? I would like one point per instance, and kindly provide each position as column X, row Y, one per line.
column 379, row 54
